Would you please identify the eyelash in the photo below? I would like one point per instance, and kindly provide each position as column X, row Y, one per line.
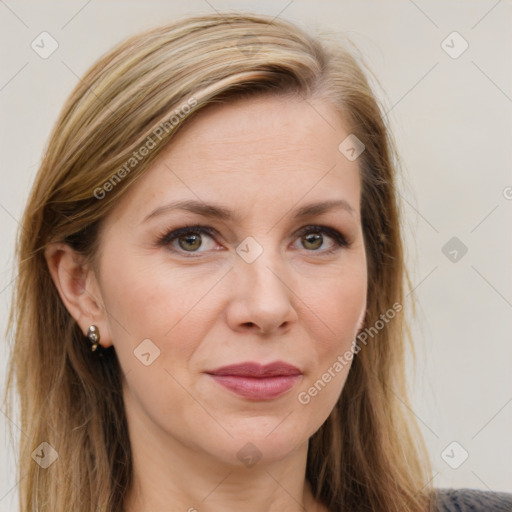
column 167, row 238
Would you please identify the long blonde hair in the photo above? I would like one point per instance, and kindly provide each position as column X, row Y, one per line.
column 369, row 453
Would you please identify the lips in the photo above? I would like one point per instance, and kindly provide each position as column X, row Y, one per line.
column 257, row 382
column 257, row 370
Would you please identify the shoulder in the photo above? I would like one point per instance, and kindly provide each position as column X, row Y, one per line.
column 472, row 500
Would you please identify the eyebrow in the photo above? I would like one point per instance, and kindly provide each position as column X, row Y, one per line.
column 225, row 214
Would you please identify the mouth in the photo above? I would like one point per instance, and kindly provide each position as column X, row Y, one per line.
column 255, row 381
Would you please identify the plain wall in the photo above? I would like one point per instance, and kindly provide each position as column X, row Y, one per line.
column 452, row 121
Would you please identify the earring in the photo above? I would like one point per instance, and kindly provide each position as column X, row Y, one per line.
column 93, row 334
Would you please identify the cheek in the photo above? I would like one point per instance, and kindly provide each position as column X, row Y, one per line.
column 171, row 306
column 338, row 306
column 337, row 303
column 154, row 310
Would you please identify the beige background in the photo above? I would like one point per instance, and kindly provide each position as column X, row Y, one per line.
column 452, row 120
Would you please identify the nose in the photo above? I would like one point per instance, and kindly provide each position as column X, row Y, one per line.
column 262, row 297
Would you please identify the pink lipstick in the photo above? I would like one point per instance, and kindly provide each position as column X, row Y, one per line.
column 255, row 381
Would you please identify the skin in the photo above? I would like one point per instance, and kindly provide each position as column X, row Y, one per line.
column 262, row 158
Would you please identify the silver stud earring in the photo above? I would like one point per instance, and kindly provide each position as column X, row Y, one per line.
column 93, row 334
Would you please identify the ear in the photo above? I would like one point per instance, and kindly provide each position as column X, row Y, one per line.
column 78, row 288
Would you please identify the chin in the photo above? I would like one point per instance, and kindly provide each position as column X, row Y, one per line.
column 259, row 443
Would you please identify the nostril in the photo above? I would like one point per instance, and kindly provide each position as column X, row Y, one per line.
column 253, row 326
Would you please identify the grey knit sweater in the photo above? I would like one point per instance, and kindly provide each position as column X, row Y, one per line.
column 472, row 500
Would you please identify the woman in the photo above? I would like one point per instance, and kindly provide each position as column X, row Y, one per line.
column 211, row 236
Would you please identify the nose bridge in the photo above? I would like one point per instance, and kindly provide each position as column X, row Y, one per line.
column 263, row 272
column 264, row 296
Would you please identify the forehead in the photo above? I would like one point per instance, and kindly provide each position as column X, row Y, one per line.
column 251, row 151
column 281, row 125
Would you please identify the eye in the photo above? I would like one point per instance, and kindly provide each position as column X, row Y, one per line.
column 187, row 239
column 313, row 237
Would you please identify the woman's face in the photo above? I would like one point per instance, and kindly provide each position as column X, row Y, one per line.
column 264, row 281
